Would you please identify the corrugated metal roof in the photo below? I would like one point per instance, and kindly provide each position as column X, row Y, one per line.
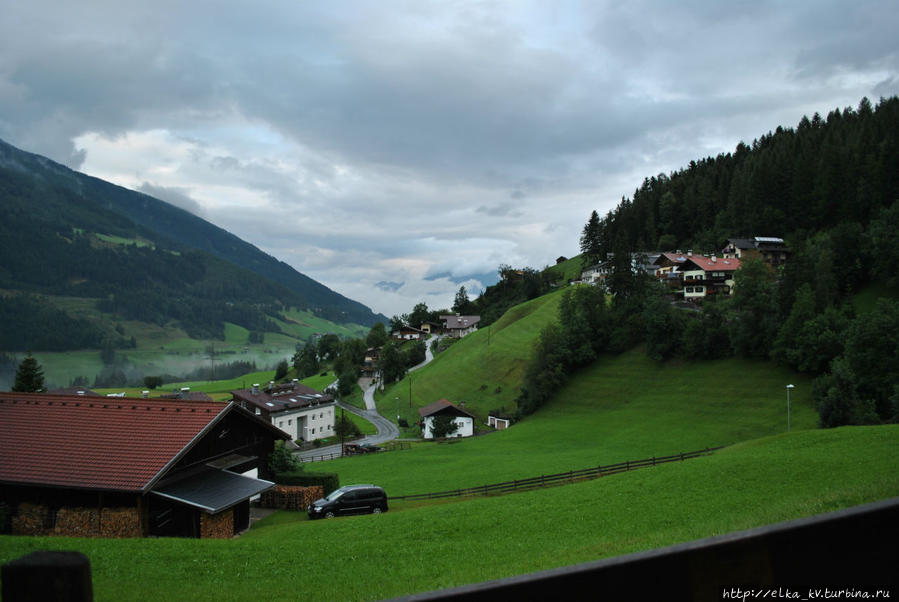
column 213, row 490
column 111, row 444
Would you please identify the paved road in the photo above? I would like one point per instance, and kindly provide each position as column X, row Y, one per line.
column 387, row 430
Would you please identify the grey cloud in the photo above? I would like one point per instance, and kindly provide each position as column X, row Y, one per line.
column 501, row 209
column 179, row 197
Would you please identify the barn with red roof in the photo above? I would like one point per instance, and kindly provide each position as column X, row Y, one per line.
column 120, row 467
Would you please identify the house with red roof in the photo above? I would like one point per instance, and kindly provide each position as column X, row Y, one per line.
column 694, row 277
column 463, row 420
column 122, row 467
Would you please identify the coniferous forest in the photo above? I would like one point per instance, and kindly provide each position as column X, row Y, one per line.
column 829, row 187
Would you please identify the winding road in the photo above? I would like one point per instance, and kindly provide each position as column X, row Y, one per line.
column 387, row 430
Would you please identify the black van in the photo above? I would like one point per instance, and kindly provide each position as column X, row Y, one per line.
column 351, row 499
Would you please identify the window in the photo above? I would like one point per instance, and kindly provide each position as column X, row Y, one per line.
column 258, row 412
column 280, row 423
column 289, row 422
column 322, row 415
column 313, row 430
column 689, row 289
column 699, row 289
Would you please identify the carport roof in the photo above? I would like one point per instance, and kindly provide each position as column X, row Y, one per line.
column 213, row 490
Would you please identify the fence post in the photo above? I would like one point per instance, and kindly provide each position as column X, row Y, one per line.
column 599, row 469
column 682, row 456
column 627, row 465
column 571, row 475
column 485, row 489
column 653, row 460
column 516, row 484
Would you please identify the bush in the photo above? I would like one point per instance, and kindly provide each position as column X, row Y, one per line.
column 328, row 481
column 283, row 460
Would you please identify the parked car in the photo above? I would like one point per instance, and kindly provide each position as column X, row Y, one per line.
column 371, row 448
column 350, row 499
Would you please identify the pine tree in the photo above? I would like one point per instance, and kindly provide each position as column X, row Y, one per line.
column 29, row 376
column 591, row 240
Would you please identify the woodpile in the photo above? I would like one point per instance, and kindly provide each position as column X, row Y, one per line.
column 77, row 522
column 36, row 519
column 217, row 526
column 289, row 497
column 30, row 519
column 120, row 522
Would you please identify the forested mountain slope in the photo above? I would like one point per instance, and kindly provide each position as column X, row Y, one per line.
column 66, row 234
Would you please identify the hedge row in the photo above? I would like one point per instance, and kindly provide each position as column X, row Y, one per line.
column 327, row 481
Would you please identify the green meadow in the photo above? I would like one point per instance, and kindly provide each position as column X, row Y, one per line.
column 414, row 549
column 624, row 407
column 484, row 369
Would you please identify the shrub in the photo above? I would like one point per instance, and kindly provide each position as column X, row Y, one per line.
column 328, row 481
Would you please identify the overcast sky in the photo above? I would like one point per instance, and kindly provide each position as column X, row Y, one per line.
column 397, row 150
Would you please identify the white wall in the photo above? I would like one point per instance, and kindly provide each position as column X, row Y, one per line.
column 466, row 427
column 308, row 424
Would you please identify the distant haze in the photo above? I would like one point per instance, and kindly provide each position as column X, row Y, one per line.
column 397, row 150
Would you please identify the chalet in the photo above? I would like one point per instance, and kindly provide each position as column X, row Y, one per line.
column 595, row 274
column 705, row 276
column 667, row 270
column 408, row 333
column 431, row 327
column 98, row 467
column 300, row 411
column 371, row 363
column 463, row 419
column 457, row 326
column 771, row 249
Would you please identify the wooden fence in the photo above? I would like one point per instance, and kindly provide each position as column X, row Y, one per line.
column 571, row 476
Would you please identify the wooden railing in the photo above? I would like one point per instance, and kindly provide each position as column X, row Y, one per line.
column 556, row 479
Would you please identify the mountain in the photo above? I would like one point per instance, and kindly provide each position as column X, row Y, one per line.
column 66, row 234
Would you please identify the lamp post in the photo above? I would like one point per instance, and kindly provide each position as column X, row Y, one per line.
column 788, row 406
column 397, row 409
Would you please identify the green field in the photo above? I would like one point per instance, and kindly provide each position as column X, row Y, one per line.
column 484, row 369
column 624, row 407
column 415, row 549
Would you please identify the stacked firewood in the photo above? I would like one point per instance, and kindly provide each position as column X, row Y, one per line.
column 289, row 497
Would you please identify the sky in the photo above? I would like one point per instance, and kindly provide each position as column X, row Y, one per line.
column 397, row 150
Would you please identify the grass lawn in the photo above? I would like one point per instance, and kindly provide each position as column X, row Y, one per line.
column 624, row 407
column 484, row 369
column 415, row 549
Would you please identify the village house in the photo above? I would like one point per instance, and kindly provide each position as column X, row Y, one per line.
column 457, row 326
column 371, row 364
column 102, row 467
column 300, row 411
column 772, row 250
column 408, row 333
column 694, row 277
column 463, row 420
column 431, row 327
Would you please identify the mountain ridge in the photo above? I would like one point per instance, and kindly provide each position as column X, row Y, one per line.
column 102, row 205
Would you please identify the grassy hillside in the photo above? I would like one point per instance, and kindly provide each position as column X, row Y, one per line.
column 484, row 369
column 570, row 269
column 624, row 407
column 411, row 550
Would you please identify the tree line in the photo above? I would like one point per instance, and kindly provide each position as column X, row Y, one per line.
column 830, row 188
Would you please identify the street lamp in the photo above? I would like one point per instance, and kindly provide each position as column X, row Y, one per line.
column 397, row 409
column 788, row 406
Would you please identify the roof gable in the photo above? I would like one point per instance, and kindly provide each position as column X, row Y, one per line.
column 442, row 406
